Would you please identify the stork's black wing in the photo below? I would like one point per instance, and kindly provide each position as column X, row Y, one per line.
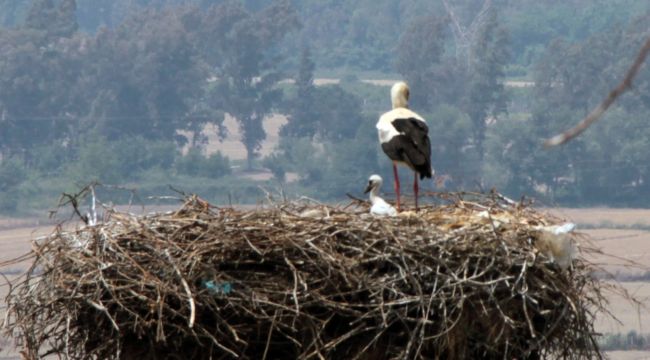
column 412, row 146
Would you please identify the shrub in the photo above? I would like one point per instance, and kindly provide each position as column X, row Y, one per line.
column 276, row 165
column 216, row 165
column 95, row 162
column 12, row 174
column 196, row 164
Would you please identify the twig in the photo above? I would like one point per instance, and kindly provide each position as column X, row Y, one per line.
column 190, row 323
column 597, row 112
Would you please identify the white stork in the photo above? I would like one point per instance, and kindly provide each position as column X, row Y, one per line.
column 404, row 137
column 379, row 206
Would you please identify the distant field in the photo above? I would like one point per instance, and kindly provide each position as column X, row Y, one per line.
column 626, row 252
column 629, row 355
column 631, row 317
column 620, row 245
column 601, row 216
column 232, row 146
column 14, row 243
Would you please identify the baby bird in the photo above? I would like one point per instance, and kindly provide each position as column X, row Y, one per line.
column 379, row 206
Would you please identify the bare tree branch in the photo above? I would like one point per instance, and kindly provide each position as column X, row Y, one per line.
column 596, row 113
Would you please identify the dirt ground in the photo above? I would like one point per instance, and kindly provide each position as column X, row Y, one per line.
column 232, row 147
column 620, row 245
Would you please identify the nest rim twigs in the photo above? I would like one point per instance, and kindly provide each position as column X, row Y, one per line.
column 205, row 282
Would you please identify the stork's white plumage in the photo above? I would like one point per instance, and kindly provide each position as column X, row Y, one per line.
column 379, row 206
column 404, row 137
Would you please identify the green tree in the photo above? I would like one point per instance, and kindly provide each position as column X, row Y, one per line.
column 486, row 95
column 11, row 12
column 12, row 174
column 302, row 120
column 95, row 163
column 55, row 19
column 420, row 61
column 34, row 109
column 337, row 113
column 247, row 72
column 194, row 163
column 571, row 78
column 144, row 78
column 438, row 77
column 450, row 132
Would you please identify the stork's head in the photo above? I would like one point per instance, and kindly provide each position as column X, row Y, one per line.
column 374, row 182
column 399, row 95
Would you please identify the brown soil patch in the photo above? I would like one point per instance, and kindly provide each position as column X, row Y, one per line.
column 232, row 147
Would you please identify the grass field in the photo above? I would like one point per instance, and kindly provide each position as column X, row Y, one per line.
column 620, row 246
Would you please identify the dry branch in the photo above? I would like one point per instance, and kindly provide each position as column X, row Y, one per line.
column 596, row 113
column 462, row 280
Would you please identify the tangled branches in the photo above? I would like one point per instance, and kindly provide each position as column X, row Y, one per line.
column 464, row 280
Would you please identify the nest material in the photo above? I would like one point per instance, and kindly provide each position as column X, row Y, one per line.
column 199, row 283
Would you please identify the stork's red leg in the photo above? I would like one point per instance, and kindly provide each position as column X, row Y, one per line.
column 396, row 184
column 416, row 189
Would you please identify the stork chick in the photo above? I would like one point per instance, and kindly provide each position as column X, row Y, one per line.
column 379, row 206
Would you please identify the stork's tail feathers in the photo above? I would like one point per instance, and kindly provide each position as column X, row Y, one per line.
column 425, row 171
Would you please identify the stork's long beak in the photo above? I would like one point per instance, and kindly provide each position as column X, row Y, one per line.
column 368, row 188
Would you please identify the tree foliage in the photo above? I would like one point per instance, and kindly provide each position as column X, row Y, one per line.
column 302, row 119
column 605, row 164
column 440, row 76
column 113, row 90
column 55, row 19
column 246, row 70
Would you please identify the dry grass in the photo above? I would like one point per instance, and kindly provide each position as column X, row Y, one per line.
column 457, row 281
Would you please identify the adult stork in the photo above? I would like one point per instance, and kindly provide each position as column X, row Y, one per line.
column 404, row 137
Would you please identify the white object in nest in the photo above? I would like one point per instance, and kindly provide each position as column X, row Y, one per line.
column 497, row 220
column 379, row 206
column 556, row 243
column 315, row 213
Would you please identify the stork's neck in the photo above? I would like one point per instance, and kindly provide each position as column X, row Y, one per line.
column 374, row 194
column 400, row 102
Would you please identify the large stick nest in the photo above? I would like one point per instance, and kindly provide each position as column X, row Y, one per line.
column 464, row 280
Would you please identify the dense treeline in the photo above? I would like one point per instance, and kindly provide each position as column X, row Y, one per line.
column 362, row 34
column 626, row 342
column 115, row 103
column 113, row 90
